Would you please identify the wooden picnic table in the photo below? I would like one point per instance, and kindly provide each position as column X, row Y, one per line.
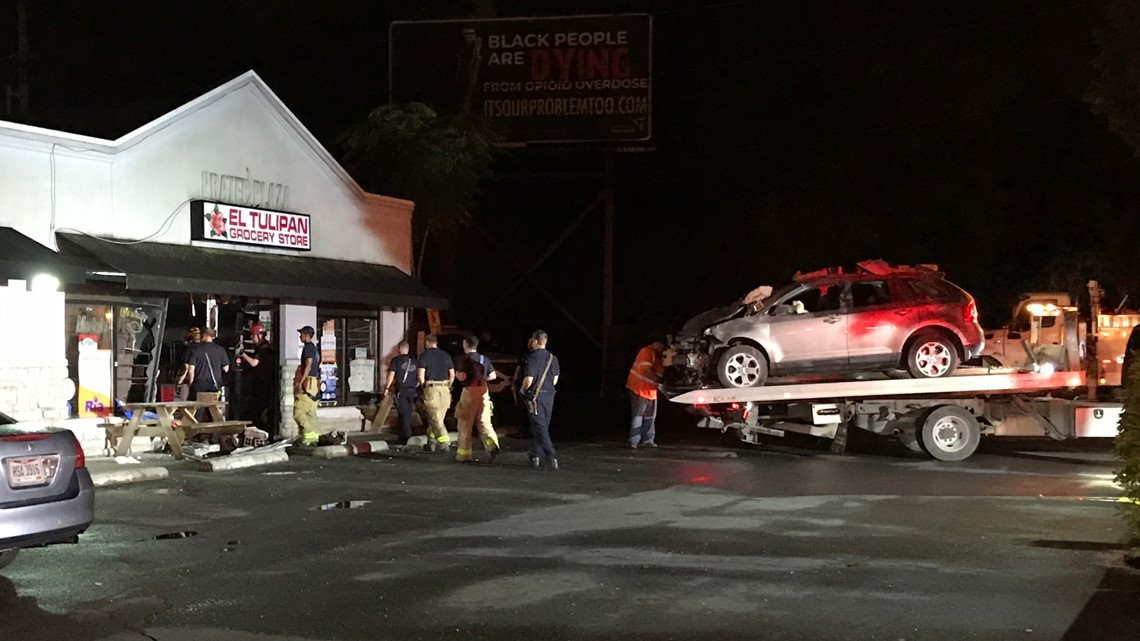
column 176, row 421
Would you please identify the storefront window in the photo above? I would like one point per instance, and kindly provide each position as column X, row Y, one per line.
column 348, row 359
column 135, row 355
column 112, row 352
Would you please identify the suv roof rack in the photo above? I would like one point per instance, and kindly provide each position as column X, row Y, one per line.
column 876, row 267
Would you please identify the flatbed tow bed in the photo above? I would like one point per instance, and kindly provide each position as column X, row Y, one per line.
column 943, row 417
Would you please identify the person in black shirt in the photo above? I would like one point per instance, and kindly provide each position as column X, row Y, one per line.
column 539, row 379
column 207, row 365
column 182, row 381
column 436, row 373
column 261, row 374
column 402, row 372
column 474, row 401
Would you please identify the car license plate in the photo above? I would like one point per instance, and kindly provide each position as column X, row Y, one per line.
column 23, row 472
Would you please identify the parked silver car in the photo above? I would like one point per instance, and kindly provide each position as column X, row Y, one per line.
column 46, row 495
column 878, row 318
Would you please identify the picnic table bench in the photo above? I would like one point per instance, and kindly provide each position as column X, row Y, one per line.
column 176, row 422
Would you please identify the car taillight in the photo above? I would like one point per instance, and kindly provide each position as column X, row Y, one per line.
column 80, row 458
column 23, row 438
column 970, row 312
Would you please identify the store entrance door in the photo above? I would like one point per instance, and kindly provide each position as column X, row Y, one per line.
column 256, row 396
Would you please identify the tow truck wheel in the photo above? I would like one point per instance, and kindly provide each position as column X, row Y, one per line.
column 931, row 355
column 742, row 366
column 7, row 556
column 949, row 433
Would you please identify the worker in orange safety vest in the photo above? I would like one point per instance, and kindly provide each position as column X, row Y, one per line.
column 642, row 381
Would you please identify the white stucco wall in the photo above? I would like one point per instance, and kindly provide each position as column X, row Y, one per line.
column 82, row 187
column 34, row 387
column 132, row 187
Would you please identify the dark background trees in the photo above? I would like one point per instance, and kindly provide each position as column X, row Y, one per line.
column 788, row 135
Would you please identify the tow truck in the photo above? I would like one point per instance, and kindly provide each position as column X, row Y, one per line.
column 1059, row 388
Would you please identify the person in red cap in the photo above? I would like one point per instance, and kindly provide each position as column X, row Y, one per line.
column 260, row 369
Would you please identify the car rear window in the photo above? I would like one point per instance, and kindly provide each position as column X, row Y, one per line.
column 932, row 288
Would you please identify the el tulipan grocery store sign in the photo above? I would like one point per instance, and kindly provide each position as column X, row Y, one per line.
column 222, row 223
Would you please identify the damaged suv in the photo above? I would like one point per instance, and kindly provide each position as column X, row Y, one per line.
column 879, row 318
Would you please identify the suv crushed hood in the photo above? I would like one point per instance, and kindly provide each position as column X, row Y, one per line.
column 698, row 323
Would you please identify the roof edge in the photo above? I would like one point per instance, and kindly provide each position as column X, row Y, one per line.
column 139, row 134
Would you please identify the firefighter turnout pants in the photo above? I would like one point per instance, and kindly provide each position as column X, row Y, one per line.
column 474, row 408
column 305, row 410
column 437, row 400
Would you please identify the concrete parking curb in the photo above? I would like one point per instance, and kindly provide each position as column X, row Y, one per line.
column 241, row 461
column 350, row 449
column 128, row 475
column 421, row 440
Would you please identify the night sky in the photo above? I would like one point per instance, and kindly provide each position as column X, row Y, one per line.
column 788, row 135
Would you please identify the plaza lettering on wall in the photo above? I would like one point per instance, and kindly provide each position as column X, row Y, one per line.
column 244, row 190
column 564, row 79
column 225, row 223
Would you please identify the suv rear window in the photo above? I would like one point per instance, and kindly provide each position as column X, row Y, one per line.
column 932, row 288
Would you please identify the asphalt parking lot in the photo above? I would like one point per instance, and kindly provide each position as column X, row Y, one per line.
column 695, row 540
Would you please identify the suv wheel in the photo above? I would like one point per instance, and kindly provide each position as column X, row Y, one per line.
column 742, row 366
column 931, row 355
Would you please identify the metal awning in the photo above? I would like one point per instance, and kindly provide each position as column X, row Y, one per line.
column 23, row 258
column 162, row 267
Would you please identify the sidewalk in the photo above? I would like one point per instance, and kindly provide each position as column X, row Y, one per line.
column 149, row 466
column 152, row 466
column 106, row 471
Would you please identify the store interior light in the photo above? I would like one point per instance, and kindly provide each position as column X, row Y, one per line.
column 45, row 283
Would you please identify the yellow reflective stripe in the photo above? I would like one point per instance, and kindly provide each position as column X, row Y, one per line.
column 463, row 452
column 643, row 363
column 646, row 379
column 443, row 439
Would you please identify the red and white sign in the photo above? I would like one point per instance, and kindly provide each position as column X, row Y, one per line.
column 249, row 226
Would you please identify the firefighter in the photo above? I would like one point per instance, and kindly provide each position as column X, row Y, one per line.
column 435, row 374
column 402, row 374
column 262, row 375
column 540, row 376
column 642, row 382
column 307, row 388
column 475, row 401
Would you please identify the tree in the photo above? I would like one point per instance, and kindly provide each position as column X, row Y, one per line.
column 1115, row 92
column 1127, row 449
column 409, row 151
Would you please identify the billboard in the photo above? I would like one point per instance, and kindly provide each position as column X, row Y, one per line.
column 562, row 79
